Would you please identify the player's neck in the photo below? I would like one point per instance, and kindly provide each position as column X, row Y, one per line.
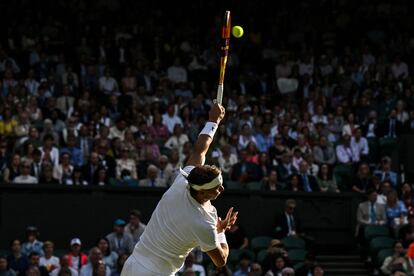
column 199, row 198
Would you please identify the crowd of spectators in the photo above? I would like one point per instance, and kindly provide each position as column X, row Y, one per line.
column 106, row 257
column 85, row 102
column 121, row 109
column 34, row 256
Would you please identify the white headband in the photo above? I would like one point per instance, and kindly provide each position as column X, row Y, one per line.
column 207, row 186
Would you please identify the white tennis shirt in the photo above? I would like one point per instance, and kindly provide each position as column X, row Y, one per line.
column 178, row 224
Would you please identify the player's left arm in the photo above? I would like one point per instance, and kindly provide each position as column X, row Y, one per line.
column 205, row 138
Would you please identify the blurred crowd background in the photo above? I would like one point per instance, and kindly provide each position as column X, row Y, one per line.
column 115, row 93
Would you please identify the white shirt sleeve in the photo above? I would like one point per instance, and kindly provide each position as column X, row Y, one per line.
column 207, row 238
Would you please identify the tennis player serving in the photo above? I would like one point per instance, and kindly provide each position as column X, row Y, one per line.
column 184, row 217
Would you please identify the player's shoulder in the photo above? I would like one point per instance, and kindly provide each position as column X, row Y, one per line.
column 182, row 174
column 188, row 169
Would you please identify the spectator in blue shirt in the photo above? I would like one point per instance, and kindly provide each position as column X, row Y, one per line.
column 32, row 244
column 395, row 210
column 264, row 138
column 385, row 173
column 74, row 151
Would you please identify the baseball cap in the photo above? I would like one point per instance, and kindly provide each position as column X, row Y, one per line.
column 75, row 241
column 119, row 222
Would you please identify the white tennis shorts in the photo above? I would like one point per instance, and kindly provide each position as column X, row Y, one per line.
column 133, row 268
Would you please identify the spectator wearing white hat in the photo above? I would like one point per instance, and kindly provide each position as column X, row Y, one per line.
column 76, row 257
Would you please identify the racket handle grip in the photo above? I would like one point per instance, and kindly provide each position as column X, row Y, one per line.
column 219, row 98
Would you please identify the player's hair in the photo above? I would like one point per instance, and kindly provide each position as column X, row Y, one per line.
column 203, row 174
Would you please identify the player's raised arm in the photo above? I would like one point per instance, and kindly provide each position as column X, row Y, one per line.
column 205, row 138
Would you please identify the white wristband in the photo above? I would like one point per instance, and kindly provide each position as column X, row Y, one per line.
column 209, row 129
column 222, row 237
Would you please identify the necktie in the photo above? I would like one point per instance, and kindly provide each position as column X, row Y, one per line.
column 92, row 173
column 391, row 134
column 373, row 214
column 119, row 243
column 292, row 223
column 37, row 170
column 84, row 146
column 306, row 186
column 387, row 176
column 152, row 183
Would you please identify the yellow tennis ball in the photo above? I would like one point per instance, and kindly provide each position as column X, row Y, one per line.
column 237, row 31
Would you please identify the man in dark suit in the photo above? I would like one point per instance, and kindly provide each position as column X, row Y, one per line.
column 106, row 160
column 287, row 140
column 307, row 182
column 286, row 169
column 245, row 171
column 391, row 127
column 145, row 79
column 85, row 142
column 288, row 224
column 90, row 170
column 371, row 128
column 36, row 165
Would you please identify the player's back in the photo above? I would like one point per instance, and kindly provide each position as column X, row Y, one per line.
column 175, row 228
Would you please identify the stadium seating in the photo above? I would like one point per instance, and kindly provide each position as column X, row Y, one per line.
column 235, row 254
column 255, row 186
column 379, row 243
column 372, row 231
column 387, row 145
column 260, row 242
column 291, row 242
column 261, row 256
column 232, row 185
column 343, row 174
column 297, row 255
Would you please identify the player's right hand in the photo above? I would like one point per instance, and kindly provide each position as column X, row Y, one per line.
column 227, row 223
column 216, row 113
